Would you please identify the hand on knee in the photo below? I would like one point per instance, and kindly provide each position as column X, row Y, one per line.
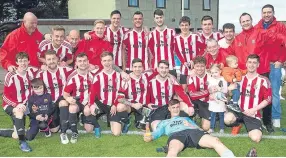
column 63, row 103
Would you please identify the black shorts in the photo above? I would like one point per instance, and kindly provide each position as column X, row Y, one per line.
column 55, row 118
column 189, row 137
column 105, row 109
column 202, row 108
column 173, row 72
column 250, row 123
column 58, row 101
column 161, row 113
column 183, row 79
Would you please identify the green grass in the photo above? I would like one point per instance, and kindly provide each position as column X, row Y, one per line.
column 131, row 145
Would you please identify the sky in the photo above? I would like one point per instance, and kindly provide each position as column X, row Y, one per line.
column 230, row 10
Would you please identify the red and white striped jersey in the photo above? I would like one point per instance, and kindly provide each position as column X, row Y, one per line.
column 63, row 52
column 187, row 48
column 17, row 88
column 215, row 35
column 32, row 71
column 135, row 90
column 55, row 81
column 161, row 47
column 198, row 87
column 253, row 92
column 79, row 85
column 161, row 92
column 105, row 87
column 136, row 44
column 116, row 38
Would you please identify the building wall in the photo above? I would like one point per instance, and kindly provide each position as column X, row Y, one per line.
column 90, row 9
column 172, row 13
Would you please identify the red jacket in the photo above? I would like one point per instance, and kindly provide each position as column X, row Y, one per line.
column 255, row 41
column 220, row 59
column 93, row 48
column 20, row 41
column 278, row 52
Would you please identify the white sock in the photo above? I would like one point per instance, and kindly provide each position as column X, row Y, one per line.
column 227, row 153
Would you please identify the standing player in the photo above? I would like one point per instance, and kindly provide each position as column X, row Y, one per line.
column 161, row 90
column 114, row 34
column 57, row 43
column 16, row 92
column 104, row 91
column 187, row 46
column 228, row 30
column 76, row 95
column 135, row 44
column 207, row 29
column 198, row 91
column 95, row 46
column 161, row 43
column 277, row 57
column 255, row 93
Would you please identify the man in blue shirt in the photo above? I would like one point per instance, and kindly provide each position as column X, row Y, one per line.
column 184, row 133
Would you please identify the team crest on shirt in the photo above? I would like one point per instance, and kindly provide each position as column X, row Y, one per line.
column 37, row 42
column 253, row 41
column 256, row 86
column 46, row 100
column 239, row 44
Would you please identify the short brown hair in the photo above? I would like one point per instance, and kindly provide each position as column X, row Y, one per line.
column 98, row 21
column 105, row 53
column 165, row 62
column 22, row 55
column 136, row 60
column 58, row 28
column 173, row 102
column 207, row 17
column 37, row 82
column 80, row 55
column 200, row 60
column 158, row 12
column 254, row 56
column 50, row 52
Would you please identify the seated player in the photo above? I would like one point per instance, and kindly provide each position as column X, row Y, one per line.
column 199, row 92
column 104, row 90
column 184, row 133
column 41, row 110
column 255, row 94
column 161, row 89
column 15, row 95
column 214, row 55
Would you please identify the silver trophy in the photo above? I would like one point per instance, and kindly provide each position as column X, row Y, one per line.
column 146, row 113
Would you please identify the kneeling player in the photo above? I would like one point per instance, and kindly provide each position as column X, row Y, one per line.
column 76, row 94
column 104, row 91
column 161, row 89
column 41, row 111
column 15, row 95
column 184, row 133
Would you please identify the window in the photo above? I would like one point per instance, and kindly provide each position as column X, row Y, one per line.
column 160, row 3
column 186, row 4
column 207, row 5
column 133, row 3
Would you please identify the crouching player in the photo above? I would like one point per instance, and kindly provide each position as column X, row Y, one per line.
column 104, row 91
column 76, row 95
column 133, row 93
column 184, row 133
column 161, row 89
column 15, row 95
column 42, row 110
